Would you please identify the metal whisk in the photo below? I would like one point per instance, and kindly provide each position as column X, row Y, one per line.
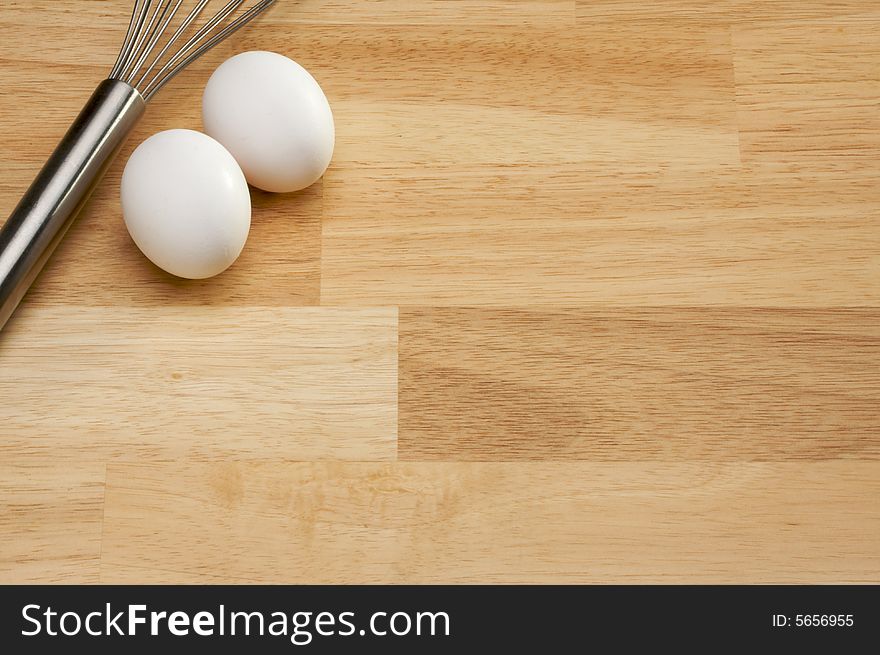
column 160, row 42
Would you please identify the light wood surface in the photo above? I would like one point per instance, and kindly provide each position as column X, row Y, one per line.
column 498, row 522
column 676, row 385
column 590, row 293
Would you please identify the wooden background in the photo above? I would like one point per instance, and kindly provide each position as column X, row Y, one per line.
column 589, row 294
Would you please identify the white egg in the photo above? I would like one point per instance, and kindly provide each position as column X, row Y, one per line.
column 186, row 203
column 273, row 117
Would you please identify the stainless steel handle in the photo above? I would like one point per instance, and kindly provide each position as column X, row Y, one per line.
column 62, row 187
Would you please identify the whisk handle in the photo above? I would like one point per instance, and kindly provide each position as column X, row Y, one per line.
column 61, row 188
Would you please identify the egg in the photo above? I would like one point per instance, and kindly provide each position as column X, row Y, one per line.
column 186, row 203
column 273, row 117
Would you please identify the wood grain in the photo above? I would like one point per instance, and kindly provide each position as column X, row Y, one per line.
column 493, row 522
column 200, row 383
column 590, row 293
column 631, row 183
column 554, row 237
column 673, row 385
column 567, row 85
column 51, row 516
column 724, row 11
column 804, row 99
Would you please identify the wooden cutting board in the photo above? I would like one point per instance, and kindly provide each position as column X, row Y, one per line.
column 591, row 293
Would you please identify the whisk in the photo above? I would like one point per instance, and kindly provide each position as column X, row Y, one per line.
column 160, row 42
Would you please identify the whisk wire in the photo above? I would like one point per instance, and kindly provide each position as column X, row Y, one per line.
column 139, row 32
column 184, row 25
column 195, row 38
column 204, row 47
column 126, row 44
column 150, row 21
column 155, row 35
